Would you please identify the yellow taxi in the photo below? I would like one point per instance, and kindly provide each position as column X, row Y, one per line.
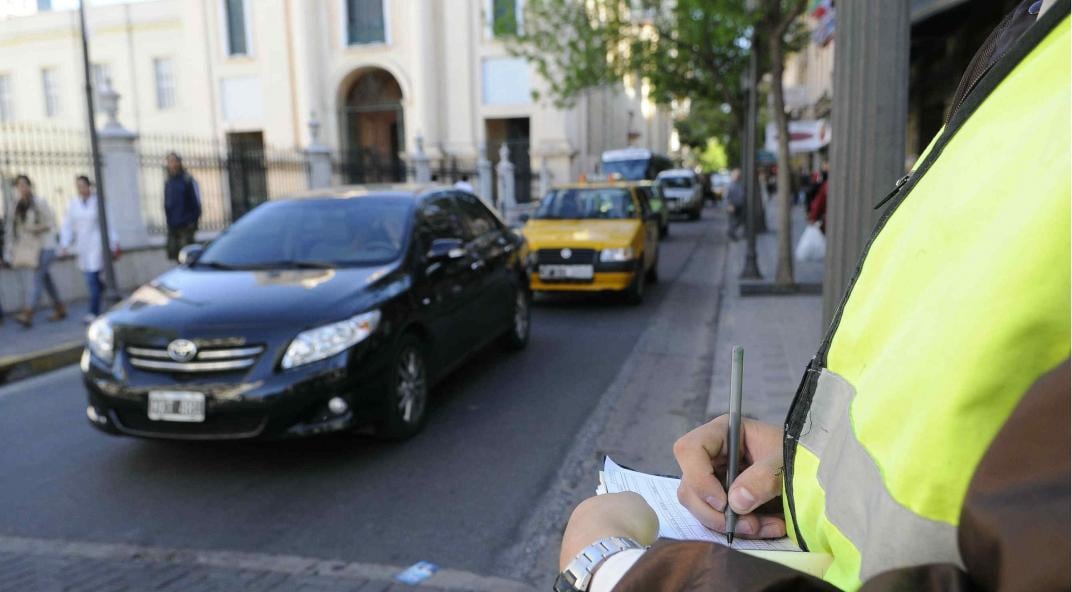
column 594, row 237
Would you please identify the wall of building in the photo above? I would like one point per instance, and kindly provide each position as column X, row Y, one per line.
column 454, row 76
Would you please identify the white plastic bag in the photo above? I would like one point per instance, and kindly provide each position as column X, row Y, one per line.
column 812, row 245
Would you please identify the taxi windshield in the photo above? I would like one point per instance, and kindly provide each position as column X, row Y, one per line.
column 603, row 203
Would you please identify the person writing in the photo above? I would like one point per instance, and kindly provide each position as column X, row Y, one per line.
column 927, row 446
column 80, row 233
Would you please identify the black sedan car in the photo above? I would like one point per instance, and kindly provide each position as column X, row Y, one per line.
column 313, row 314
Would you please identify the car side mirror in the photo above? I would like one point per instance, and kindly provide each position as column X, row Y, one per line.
column 446, row 248
column 189, row 254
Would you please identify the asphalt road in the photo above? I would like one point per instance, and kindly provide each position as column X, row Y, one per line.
column 454, row 495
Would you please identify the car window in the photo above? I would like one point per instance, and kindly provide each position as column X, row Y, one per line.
column 338, row 232
column 587, row 203
column 439, row 219
column 475, row 215
column 677, row 182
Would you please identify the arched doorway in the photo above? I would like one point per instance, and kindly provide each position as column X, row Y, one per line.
column 373, row 133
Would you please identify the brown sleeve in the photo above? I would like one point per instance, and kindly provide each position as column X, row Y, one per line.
column 1013, row 531
column 688, row 566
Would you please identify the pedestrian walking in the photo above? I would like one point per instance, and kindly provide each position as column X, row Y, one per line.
column 464, row 184
column 80, row 234
column 736, row 203
column 182, row 206
column 33, row 249
column 926, row 447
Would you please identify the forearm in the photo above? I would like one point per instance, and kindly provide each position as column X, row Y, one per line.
column 622, row 515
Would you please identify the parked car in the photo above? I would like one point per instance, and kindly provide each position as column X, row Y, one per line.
column 314, row 314
column 653, row 194
column 594, row 237
column 682, row 191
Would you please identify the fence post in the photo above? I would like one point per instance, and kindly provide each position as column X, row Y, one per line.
column 122, row 175
column 422, row 167
column 545, row 177
column 505, row 170
column 483, row 173
column 317, row 158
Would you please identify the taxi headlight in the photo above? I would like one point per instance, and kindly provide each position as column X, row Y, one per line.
column 616, row 255
column 328, row 340
column 101, row 340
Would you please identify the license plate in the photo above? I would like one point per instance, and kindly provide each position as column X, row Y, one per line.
column 566, row 272
column 176, row 406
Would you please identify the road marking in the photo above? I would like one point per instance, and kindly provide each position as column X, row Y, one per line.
column 446, row 579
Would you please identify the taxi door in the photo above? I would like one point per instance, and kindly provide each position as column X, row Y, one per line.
column 650, row 220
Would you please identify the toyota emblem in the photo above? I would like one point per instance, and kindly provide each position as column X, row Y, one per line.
column 566, row 253
column 182, row 350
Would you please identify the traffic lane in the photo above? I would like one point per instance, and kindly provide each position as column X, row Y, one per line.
column 453, row 495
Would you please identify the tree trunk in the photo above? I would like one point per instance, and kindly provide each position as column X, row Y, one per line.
column 784, row 274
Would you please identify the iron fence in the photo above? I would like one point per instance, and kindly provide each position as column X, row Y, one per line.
column 231, row 180
column 50, row 157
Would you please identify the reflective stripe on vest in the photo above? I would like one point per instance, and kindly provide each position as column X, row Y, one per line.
column 960, row 304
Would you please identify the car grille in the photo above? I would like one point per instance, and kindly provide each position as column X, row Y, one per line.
column 554, row 256
column 137, row 422
column 153, row 359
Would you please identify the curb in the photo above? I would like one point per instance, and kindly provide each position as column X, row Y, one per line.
column 15, row 368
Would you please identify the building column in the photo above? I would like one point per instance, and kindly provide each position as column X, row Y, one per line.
column 867, row 150
column 121, row 172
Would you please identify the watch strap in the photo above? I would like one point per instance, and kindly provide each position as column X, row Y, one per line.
column 578, row 574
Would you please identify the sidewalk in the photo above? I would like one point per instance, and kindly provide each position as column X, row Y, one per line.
column 45, row 346
column 779, row 334
column 39, row 565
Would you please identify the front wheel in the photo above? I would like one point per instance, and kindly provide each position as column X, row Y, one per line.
column 407, row 401
column 517, row 337
column 652, row 275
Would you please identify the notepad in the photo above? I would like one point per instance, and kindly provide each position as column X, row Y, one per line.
column 675, row 521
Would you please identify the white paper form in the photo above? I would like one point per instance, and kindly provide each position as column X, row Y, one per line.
column 675, row 522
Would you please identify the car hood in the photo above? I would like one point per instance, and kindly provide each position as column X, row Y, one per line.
column 187, row 300
column 580, row 233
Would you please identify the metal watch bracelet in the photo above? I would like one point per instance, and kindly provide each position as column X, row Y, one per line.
column 578, row 574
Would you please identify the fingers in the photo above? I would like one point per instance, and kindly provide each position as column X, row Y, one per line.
column 696, row 452
column 757, row 485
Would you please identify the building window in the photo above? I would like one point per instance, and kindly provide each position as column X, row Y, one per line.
column 102, row 77
column 164, row 76
column 506, row 16
column 50, row 87
column 235, row 17
column 7, row 110
column 365, row 22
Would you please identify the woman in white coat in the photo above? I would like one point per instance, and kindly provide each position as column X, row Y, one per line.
column 80, row 234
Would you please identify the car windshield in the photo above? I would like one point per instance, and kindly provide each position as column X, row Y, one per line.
column 676, row 182
column 313, row 233
column 607, row 203
column 630, row 170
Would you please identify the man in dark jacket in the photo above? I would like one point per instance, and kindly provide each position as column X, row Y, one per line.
column 182, row 206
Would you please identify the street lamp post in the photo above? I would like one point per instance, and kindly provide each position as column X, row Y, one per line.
column 111, row 293
column 750, row 270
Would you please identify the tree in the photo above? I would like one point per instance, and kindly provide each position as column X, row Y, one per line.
column 713, row 157
column 778, row 16
column 687, row 50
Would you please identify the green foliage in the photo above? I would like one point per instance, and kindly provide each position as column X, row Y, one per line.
column 713, row 158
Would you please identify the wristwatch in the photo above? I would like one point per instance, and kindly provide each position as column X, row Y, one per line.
column 578, row 574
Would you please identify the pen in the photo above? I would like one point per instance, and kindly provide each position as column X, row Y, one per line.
column 736, row 377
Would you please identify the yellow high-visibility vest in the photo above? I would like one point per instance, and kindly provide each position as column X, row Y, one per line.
column 960, row 303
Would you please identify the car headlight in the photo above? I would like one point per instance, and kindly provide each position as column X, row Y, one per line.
column 101, row 340
column 616, row 255
column 328, row 340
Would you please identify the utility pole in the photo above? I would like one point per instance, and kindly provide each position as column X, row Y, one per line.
column 750, row 270
column 111, row 291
